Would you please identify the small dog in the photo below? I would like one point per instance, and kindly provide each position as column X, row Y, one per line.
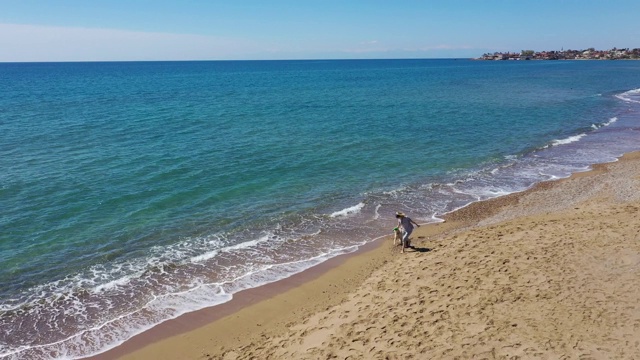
column 397, row 236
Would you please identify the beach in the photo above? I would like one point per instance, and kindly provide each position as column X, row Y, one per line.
column 550, row 272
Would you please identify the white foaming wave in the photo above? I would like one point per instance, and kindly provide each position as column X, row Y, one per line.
column 248, row 244
column 511, row 161
column 214, row 294
column 464, row 192
column 549, row 176
column 491, row 192
column 348, row 211
column 116, row 331
column 376, row 214
column 395, row 192
column 568, row 140
column 206, row 256
column 268, row 236
column 611, row 121
column 459, row 181
column 115, row 283
column 275, row 272
column 436, row 219
column 98, row 278
column 240, row 246
column 101, row 278
column 632, row 96
column 479, row 193
column 105, row 279
column 183, row 251
column 481, row 186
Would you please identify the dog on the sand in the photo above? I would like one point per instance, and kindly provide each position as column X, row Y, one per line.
column 397, row 236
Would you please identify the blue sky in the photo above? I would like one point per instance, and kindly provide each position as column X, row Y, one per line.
column 74, row 30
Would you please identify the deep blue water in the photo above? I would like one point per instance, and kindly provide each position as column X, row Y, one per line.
column 133, row 192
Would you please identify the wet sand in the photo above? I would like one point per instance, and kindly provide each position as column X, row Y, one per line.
column 548, row 273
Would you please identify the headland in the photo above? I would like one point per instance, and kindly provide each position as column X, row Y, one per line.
column 585, row 54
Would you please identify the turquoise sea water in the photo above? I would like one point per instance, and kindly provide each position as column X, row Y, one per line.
column 131, row 193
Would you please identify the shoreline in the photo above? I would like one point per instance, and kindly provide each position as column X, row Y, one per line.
column 318, row 283
column 241, row 300
column 271, row 310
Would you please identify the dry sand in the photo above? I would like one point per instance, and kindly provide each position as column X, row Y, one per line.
column 550, row 273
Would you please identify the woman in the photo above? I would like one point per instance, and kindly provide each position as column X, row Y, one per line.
column 406, row 224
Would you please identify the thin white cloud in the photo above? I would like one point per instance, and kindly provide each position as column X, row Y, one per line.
column 20, row 43
column 50, row 43
column 420, row 49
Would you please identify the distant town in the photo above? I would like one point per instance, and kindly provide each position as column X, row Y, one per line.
column 588, row 54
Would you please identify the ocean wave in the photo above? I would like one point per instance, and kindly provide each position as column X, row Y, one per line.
column 376, row 213
column 348, row 211
column 568, row 140
column 113, row 332
column 611, row 121
column 632, row 96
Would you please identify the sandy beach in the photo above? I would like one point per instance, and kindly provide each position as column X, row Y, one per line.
column 549, row 273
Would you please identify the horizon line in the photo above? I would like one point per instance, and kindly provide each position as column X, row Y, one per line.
column 226, row 60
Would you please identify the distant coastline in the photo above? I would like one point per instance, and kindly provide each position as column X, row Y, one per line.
column 587, row 54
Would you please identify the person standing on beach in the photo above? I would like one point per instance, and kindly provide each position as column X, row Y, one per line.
column 406, row 224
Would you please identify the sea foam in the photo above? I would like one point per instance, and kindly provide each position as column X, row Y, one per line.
column 348, row 211
column 568, row 140
column 632, row 96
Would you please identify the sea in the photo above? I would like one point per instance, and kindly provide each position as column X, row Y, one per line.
column 134, row 192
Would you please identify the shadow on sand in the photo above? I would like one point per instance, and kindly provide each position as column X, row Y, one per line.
column 418, row 249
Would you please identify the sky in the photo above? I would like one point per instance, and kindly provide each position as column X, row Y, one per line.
column 134, row 30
